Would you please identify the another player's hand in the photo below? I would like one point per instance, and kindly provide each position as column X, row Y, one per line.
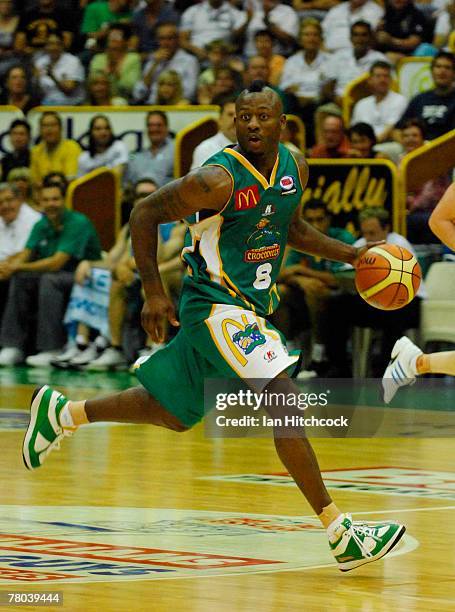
column 157, row 310
column 362, row 250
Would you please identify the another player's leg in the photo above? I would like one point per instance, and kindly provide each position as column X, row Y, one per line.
column 53, row 417
column 352, row 543
column 408, row 361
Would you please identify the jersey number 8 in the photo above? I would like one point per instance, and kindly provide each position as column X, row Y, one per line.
column 263, row 278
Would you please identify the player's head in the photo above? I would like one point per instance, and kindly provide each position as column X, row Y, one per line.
column 317, row 215
column 374, row 224
column 259, row 119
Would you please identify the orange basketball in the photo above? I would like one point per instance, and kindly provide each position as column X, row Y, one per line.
column 388, row 277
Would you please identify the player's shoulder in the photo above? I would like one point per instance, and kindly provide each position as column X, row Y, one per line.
column 302, row 166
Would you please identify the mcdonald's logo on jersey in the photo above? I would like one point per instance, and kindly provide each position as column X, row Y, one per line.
column 248, row 197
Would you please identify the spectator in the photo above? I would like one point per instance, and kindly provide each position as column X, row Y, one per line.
column 207, row 21
column 35, row 26
column 53, row 153
column 17, row 90
column 99, row 15
column 20, row 178
column 148, row 19
column 316, row 277
column 170, row 90
column 402, row 30
column 45, row 268
column 158, row 159
column 60, row 74
column 436, row 107
column 258, row 70
column 347, row 64
column 19, row 157
column 363, row 140
column 218, row 56
column 334, row 143
column 313, row 9
column 99, row 91
column 263, row 41
column 348, row 309
column 302, row 74
column 225, row 135
column 384, row 107
column 8, row 23
column 445, row 25
column 16, row 221
column 337, row 24
column 279, row 19
column 103, row 148
column 123, row 67
column 168, row 56
column 412, row 135
column 227, row 83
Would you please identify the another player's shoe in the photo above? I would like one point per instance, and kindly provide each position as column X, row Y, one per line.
column 401, row 370
column 354, row 544
column 44, row 432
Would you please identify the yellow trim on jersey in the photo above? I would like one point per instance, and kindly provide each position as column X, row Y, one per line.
column 273, row 289
column 298, row 170
column 238, row 293
column 249, row 166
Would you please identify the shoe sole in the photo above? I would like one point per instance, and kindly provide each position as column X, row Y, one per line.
column 34, row 405
column 350, row 565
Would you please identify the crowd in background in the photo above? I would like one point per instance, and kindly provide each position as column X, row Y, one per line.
column 155, row 52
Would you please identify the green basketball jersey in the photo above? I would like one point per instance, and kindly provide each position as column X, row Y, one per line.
column 235, row 255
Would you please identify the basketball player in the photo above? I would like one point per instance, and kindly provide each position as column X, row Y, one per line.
column 245, row 189
column 407, row 359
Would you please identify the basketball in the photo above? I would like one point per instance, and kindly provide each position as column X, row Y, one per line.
column 388, row 276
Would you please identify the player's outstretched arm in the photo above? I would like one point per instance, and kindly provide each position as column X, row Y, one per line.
column 442, row 220
column 209, row 187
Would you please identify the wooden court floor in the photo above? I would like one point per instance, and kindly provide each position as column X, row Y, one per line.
column 138, row 518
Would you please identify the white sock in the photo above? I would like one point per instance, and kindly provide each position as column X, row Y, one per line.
column 66, row 420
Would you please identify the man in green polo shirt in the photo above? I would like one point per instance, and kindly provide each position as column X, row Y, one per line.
column 315, row 278
column 42, row 276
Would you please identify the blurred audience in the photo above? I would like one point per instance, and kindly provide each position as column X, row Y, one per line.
column 146, row 21
column 18, row 90
column 97, row 17
column 99, row 91
column 19, row 157
column 445, row 26
column 335, row 143
column 225, row 136
column 279, row 19
column 9, row 20
column 362, row 141
column 104, row 150
column 263, row 41
column 21, row 179
column 337, row 24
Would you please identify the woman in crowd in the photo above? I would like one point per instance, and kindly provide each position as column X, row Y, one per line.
column 17, row 90
column 169, row 90
column 362, row 139
column 103, row 148
column 99, row 91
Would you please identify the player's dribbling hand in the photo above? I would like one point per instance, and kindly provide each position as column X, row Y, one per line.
column 157, row 310
column 362, row 250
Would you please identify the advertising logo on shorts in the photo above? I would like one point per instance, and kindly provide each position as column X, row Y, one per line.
column 287, row 184
column 101, row 544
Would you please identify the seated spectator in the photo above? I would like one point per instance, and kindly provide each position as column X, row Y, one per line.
column 18, row 91
column 19, row 157
column 412, row 135
column 227, row 83
column 147, row 20
column 337, row 24
column 99, row 91
column 384, row 107
column 218, row 55
column 445, row 25
column 45, row 268
column 96, row 283
column 53, row 153
column 313, row 9
column 225, row 136
column 347, row 309
column 402, row 30
column 314, row 276
column 263, row 41
column 302, row 74
column 279, row 19
column 257, row 69
column 122, row 66
column 363, row 140
column 16, row 221
column 103, row 148
column 158, row 159
column 20, row 178
column 60, row 74
column 36, row 25
column 168, row 56
column 8, row 23
column 170, row 90
column 335, row 143
column 345, row 65
column 207, row 21
column 98, row 16
column 436, row 107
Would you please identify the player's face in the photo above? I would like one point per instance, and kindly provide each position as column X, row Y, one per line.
column 373, row 231
column 259, row 123
column 318, row 219
column 9, row 206
column 52, row 203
